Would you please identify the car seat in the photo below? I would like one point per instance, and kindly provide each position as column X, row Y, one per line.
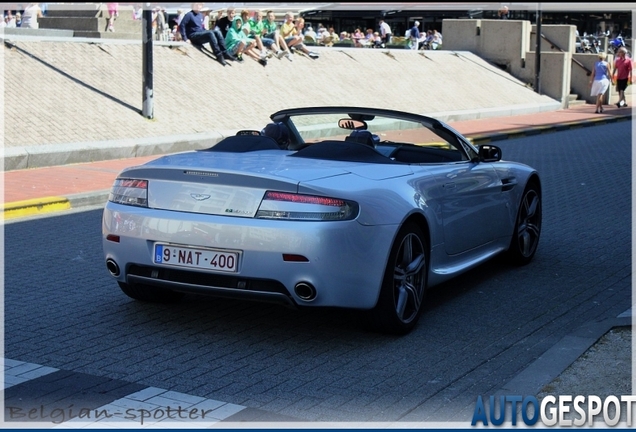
column 279, row 132
column 363, row 137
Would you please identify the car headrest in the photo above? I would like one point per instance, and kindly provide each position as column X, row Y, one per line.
column 279, row 132
column 363, row 137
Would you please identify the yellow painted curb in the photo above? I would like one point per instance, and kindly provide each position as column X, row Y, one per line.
column 34, row 206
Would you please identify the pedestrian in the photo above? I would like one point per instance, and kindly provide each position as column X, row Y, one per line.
column 293, row 39
column 238, row 43
column 113, row 12
column 30, row 16
column 622, row 75
column 414, row 35
column 503, row 13
column 600, row 81
column 224, row 23
column 258, row 31
column 385, row 32
column 192, row 31
column 271, row 31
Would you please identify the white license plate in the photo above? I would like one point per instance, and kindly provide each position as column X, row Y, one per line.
column 208, row 259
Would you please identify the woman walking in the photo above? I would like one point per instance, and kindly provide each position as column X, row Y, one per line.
column 601, row 75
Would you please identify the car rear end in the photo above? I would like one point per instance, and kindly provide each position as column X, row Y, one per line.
column 246, row 234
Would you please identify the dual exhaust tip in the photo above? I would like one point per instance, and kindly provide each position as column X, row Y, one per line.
column 112, row 267
column 305, row 291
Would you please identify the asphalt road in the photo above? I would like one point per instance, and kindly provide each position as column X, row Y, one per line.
column 478, row 332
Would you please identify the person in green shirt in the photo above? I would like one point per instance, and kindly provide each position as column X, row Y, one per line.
column 256, row 30
column 237, row 43
column 271, row 31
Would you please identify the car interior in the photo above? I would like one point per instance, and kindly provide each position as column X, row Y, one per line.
column 360, row 145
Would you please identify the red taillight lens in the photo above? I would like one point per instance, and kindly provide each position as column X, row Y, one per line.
column 305, row 199
column 130, row 192
column 291, row 206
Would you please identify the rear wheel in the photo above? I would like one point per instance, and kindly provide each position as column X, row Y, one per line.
column 149, row 293
column 525, row 238
column 404, row 284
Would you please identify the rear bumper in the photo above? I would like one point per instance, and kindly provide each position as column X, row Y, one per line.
column 345, row 260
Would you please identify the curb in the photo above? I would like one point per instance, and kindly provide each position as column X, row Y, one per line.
column 52, row 204
column 557, row 359
column 38, row 206
column 537, row 130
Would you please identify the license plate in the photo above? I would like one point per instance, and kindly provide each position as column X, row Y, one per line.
column 208, row 259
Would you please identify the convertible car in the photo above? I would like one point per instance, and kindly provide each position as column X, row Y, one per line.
column 347, row 207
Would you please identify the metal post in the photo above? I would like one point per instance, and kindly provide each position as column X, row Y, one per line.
column 147, row 92
column 537, row 66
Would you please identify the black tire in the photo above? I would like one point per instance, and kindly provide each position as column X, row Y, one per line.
column 404, row 284
column 525, row 238
column 149, row 293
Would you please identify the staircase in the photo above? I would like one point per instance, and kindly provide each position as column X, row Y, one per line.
column 90, row 20
column 573, row 100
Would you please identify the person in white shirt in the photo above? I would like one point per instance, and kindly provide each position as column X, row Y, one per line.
column 385, row 32
column 30, row 16
column 310, row 33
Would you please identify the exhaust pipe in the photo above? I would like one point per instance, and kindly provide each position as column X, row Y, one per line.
column 305, row 291
column 112, row 267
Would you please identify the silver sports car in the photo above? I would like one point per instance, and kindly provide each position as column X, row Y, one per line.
column 346, row 207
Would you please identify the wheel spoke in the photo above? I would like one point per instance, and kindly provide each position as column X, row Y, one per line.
column 415, row 266
column 400, row 307
column 525, row 243
column 532, row 208
column 533, row 230
column 407, row 255
column 407, row 294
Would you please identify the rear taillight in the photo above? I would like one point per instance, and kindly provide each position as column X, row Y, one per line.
column 130, row 192
column 290, row 206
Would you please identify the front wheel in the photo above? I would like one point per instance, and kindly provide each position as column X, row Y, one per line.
column 525, row 238
column 404, row 284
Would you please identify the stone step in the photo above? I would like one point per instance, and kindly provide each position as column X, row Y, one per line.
column 108, row 35
column 85, row 10
column 89, row 24
column 76, row 10
column 40, row 32
column 576, row 102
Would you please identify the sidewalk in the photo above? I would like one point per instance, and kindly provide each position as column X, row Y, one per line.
column 41, row 190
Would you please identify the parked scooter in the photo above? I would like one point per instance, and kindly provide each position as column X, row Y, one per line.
column 617, row 43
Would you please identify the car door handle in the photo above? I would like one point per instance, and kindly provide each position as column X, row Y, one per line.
column 449, row 185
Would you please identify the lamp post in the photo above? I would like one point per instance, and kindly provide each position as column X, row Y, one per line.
column 537, row 68
column 147, row 92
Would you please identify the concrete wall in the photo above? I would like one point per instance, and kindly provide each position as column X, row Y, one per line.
column 505, row 41
column 554, row 74
column 557, row 38
column 511, row 44
column 501, row 42
column 461, row 35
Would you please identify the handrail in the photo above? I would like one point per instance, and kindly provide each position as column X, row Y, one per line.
column 554, row 45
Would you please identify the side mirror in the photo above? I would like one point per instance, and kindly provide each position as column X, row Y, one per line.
column 489, row 153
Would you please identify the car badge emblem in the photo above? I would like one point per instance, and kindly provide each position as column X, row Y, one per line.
column 199, row 197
